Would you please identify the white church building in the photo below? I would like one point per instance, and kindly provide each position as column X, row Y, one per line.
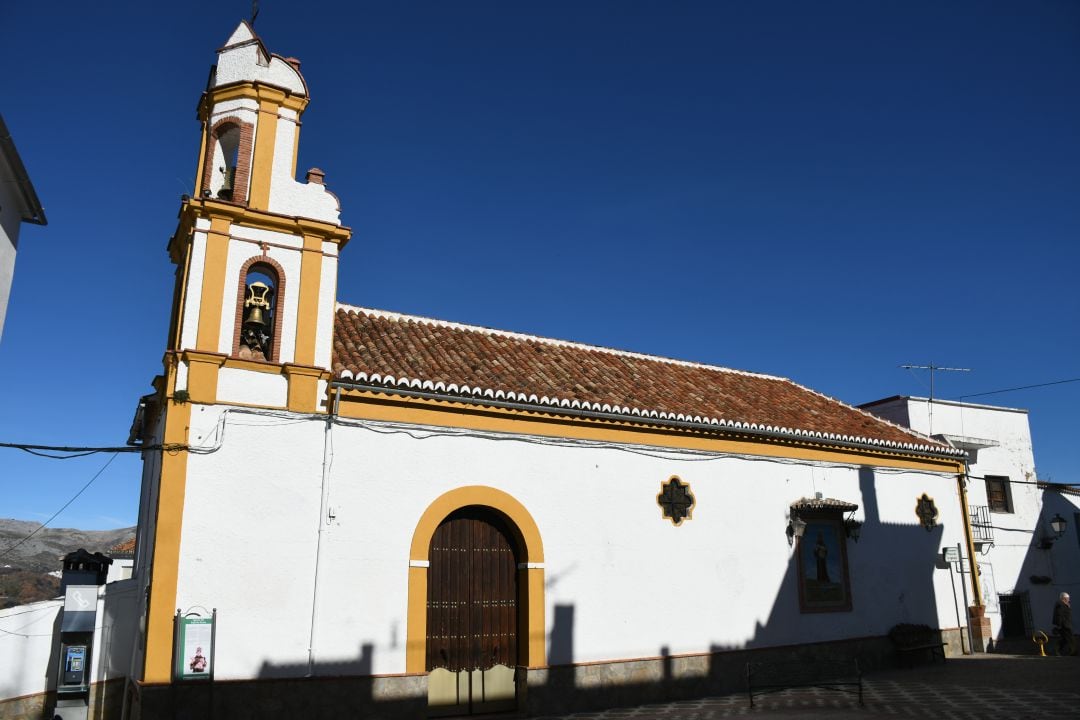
column 358, row 511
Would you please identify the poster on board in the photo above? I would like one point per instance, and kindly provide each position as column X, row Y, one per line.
column 194, row 648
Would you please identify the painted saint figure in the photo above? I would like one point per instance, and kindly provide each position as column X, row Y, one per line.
column 821, row 554
column 198, row 663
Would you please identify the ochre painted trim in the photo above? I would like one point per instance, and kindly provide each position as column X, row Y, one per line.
column 252, row 91
column 263, row 161
column 969, row 539
column 373, row 406
column 530, row 581
column 199, row 184
column 203, row 375
column 486, row 497
column 213, row 284
column 262, row 366
column 534, row 614
column 303, row 387
column 180, row 299
column 247, row 216
column 416, row 622
column 165, row 565
column 295, row 146
column 307, row 313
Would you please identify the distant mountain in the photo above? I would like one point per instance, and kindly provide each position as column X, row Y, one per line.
column 43, row 553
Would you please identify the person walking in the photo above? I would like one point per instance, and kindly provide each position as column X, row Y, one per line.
column 1063, row 627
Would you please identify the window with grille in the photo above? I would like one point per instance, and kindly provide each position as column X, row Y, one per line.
column 998, row 496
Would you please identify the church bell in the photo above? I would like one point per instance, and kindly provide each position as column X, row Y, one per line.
column 257, row 307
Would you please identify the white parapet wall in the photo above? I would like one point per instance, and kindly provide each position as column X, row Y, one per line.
column 27, row 648
column 29, row 636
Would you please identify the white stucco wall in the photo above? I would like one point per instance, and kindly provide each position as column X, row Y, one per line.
column 287, row 195
column 252, row 388
column 241, row 59
column 189, row 333
column 150, row 488
column 26, row 646
column 638, row 586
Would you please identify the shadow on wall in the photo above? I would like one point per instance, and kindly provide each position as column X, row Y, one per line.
column 897, row 561
column 334, row 690
column 1051, row 566
column 903, row 593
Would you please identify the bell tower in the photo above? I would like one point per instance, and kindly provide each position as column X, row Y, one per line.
column 256, row 250
column 256, row 255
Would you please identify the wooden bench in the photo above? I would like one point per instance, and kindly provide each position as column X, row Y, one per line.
column 912, row 641
column 842, row 676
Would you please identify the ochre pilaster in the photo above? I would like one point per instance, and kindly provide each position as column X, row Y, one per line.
column 157, row 666
column 213, row 284
column 303, row 386
column 308, row 312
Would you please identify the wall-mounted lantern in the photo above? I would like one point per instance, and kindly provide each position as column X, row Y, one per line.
column 1057, row 529
column 795, row 528
column 853, row 528
column 820, row 506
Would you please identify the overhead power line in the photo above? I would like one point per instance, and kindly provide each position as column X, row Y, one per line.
column 7, row 551
column 1013, row 389
column 77, row 452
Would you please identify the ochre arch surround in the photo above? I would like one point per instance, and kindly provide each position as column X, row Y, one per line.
column 533, row 651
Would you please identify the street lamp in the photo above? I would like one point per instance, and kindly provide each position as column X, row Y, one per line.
column 1057, row 529
column 853, row 528
column 795, row 528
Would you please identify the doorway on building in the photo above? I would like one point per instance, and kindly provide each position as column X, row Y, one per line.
column 1015, row 616
column 472, row 614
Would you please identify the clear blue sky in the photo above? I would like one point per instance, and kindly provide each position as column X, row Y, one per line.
column 817, row 190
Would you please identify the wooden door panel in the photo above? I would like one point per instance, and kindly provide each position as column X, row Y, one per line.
column 472, row 609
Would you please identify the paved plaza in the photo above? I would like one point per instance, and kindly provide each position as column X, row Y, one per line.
column 981, row 686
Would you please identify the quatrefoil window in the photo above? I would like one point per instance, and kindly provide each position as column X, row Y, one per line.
column 927, row 512
column 676, row 501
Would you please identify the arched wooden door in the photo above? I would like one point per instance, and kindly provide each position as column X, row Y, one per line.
column 472, row 614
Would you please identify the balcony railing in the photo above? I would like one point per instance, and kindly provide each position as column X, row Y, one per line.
column 981, row 529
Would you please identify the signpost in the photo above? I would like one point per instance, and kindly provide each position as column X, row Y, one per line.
column 953, row 555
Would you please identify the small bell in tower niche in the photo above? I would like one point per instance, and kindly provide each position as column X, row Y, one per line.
column 255, row 334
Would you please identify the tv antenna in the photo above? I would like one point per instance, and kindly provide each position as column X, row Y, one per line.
column 254, row 12
column 933, row 368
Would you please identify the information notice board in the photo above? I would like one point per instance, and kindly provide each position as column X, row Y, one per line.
column 194, row 648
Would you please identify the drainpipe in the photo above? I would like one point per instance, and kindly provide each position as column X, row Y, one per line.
column 324, row 523
column 976, row 612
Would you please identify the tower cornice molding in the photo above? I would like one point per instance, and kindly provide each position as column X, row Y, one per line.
column 251, row 90
column 194, row 208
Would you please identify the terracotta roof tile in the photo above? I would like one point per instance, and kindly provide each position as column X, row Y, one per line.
column 811, row 504
column 392, row 350
column 125, row 548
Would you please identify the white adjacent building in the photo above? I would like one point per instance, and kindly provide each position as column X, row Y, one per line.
column 18, row 204
column 1023, row 564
